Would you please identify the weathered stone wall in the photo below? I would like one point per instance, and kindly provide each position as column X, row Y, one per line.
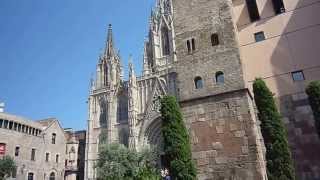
column 302, row 136
column 199, row 20
column 225, row 142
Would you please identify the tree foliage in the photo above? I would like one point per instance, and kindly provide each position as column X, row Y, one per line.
column 279, row 160
column 7, row 167
column 176, row 140
column 118, row 162
column 313, row 91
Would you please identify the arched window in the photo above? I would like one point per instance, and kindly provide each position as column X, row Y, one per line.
column 165, row 41
column 30, row 176
column 52, row 176
column 189, row 46
column 219, row 77
column 53, row 139
column 214, row 39
column 198, row 82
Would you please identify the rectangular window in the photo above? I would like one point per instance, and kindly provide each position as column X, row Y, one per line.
column 6, row 122
column 259, row 36
column 1, row 122
column 47, row 157
column 278, row 6
column 17, row 151
column 189, row 46
column 57, row 158
column 253, row 10
column 193, row 43
column 15, row 126
column 10, row 125
column 298, row 76
column 19, row 127
column 33, row 154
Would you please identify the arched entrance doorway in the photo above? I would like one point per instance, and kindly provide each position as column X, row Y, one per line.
column 154, row 139
column 52, row 176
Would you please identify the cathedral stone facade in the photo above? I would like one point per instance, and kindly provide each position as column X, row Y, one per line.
column 192, row 53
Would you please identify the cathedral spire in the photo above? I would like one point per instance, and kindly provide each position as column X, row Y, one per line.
column 109, row 49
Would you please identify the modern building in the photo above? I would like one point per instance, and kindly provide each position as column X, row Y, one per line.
column 279, row 41
column 38, row 147
column 75, row 154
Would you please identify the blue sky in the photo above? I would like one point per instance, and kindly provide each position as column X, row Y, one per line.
column 49, row 50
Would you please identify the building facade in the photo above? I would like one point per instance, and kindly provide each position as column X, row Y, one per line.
column 192, row 52
column 75, row 154
column 38, row 147
column 279, row 41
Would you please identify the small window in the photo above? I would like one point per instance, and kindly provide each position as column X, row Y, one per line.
column 278, row 6
column 47, row 157
column 219, row 77
column 6, row 122
column 10, row 125
column 30, row 176
column 189, row 46
column 259, row 36
column 57, row 158
column 33, row 154
column 15, row 126
column 253, row 10
column 298, row 76
column 17, row 151
column 193, row 42
column 214, row 39
column 53, row 140
column 1, row 122
column 198, row 82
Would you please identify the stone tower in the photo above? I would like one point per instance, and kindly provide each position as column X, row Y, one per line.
column 216, row 105
column 105, row 93
column 191, row 53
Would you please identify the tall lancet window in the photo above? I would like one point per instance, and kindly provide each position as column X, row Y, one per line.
column 165, row 41
column 103, row 111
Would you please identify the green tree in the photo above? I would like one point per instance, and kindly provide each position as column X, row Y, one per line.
column 313, row 91
column 7, row 167
column 279, row 160
column 118, row 162
column 176, row 140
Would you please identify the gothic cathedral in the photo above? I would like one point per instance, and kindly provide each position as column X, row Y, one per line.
column 192, row 53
